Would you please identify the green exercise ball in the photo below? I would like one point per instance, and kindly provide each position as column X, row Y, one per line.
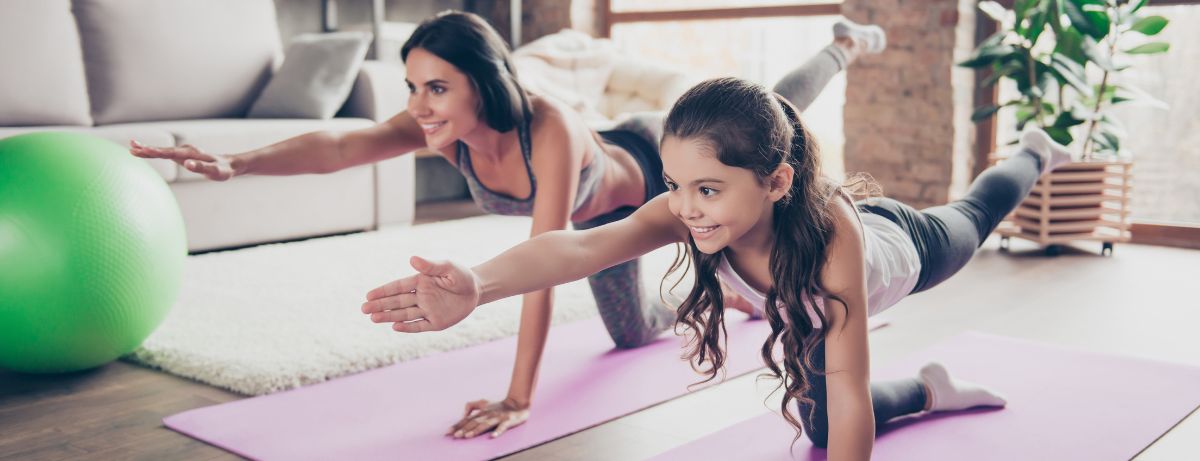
column 91, row 252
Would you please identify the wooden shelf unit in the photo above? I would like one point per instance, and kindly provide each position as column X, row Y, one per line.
column 1082, row 201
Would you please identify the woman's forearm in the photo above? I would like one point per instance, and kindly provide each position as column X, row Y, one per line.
column 536, row 311
column 318, row 152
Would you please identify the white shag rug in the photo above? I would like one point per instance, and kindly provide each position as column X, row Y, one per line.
column 276, row 317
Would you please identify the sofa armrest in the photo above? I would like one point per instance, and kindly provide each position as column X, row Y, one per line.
column 395, row 191
column 379, row 92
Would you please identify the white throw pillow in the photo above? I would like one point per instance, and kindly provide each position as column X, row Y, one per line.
column 316, row 77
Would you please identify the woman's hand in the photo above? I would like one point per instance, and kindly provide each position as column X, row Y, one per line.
column 482, row 416
column 214, row 167
column 440, row 295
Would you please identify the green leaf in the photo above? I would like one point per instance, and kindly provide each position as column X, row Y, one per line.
column 1037, row 24
column 1070, row 45
column 1024, row 115
column 1066, row 120
column 1129, row 93
column 983, row 112
column 993, row 10
column 1060, row 135
column 1150, row 48
column 1000, row 71
column 1089, row 17
column 988, row 54
column 1021, row 10
column 1113, row 126
column 1149, row 25
column 1133, row 8
column 1094, row 54
column 1071, row 73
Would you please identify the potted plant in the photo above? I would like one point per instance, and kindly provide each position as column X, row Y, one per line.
column 1066, row 58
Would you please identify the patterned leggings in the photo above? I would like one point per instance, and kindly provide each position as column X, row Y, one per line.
column 631, row 317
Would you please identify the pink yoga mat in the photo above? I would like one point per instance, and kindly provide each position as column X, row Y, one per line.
column 402, row 411
column 1062, row 405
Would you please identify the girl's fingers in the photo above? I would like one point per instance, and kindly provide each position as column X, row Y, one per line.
column 401, row 301
column 398, row 315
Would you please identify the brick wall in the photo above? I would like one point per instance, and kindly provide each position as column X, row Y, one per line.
column 908, row 109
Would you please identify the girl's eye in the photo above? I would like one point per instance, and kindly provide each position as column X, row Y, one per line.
column 708, row 191
column 671, row 186
column 437, row 90
column 412, row 89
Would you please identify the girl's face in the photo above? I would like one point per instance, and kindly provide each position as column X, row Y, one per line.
column 719, row 203
column 443, row 101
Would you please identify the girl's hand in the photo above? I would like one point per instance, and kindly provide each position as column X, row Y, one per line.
column 214, row 167
column 482, row 416
column 440, row 295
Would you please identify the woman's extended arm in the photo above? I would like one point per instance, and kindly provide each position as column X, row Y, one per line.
column 316, row 152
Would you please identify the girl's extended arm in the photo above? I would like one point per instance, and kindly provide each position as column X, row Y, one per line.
column 441, row 294
column 847, row 358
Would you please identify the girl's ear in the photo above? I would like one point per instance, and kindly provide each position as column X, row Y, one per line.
column 780, row 182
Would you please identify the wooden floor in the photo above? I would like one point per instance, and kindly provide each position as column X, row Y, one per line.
column 1140, row 302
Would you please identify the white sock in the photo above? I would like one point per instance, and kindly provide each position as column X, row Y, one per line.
column 1053, row 154
column 949, row 394
column 872, row 35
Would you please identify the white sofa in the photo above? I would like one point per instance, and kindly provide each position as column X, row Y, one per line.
column 186, row 72
column 597, row 79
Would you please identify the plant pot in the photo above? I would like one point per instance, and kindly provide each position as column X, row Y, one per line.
column 1080, row 201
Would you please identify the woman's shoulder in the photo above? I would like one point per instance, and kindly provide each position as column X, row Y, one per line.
column 549, row 114
column 557, row 127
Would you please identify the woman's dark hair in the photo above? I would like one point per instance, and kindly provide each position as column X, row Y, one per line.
column 467, row 41
column 748, row 126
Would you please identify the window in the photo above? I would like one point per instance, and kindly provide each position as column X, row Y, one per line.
column 761, row 43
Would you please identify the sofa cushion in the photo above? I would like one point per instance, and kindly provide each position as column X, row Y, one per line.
column 120, row 135
column 316, row 77
column 42, row 82
column 231, row 136
column 172, row 60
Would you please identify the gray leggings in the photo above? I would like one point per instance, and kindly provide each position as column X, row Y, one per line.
column 632, row 318
column 946, row 237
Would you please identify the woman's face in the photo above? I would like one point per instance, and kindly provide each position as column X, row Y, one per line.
column 443, row 101
column 719, row 203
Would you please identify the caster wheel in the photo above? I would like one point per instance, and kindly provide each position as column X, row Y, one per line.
column 1053, row 250
column 1004, row 243
column 1107, row 250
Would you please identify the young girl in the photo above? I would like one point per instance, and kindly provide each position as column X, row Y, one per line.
column 521, row 154
column 747, row 197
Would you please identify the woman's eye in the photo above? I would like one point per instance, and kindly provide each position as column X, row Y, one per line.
column 670, row 185
column 708, row 191
column 437, row 90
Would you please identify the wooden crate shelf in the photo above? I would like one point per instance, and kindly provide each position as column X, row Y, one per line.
column 1082, row 201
